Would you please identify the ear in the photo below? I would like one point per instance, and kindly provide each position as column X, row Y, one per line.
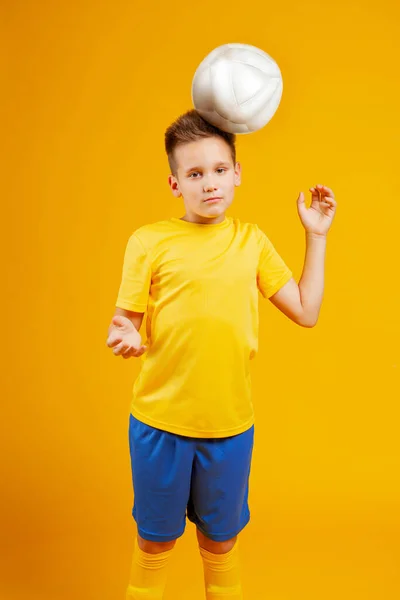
column 174, row 185
column 238, row 174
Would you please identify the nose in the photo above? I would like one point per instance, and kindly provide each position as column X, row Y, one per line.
column 209, row 187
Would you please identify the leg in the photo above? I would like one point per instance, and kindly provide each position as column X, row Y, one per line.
column 149, row 569
column 154, row 547
column 214, row 547
column 219, row 508
column 161, row 471
column 221, row 568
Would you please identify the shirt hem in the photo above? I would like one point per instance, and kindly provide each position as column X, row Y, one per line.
column 132, row 307
column 192, row 432
column 287, row 276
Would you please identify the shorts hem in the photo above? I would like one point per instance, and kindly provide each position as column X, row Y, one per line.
column 221, row 537
column 158, row 537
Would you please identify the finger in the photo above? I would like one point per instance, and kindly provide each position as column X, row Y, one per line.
column 324, row 190
column 327, row 191
column 117, row 320
column 134, row 352
column 127, row 351
column 120, row 348
column 300, row 199
column 319, row 188
column 315, row 196
column 111, row 342
column 140, row 351
column 329, row 200
column 326, row 205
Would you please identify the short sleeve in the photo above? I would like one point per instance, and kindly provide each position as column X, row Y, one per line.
column 136, row 277
column 272, row 272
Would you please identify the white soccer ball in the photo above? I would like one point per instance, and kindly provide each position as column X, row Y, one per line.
column 237, row 88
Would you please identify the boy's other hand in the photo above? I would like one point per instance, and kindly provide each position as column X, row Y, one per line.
column 124, row 338
column 317, row 219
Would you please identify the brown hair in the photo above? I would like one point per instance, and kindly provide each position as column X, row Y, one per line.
column 190, row 127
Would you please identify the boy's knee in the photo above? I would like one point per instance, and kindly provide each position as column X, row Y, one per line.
column 154, row 547
column 215, row 547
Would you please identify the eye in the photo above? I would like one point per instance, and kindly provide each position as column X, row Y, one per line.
column 197, row 173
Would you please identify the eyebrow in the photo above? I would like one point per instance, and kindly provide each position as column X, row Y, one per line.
column 218, row 164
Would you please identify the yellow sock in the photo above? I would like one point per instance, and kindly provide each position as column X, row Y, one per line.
column 222, row 574
column 148, row 575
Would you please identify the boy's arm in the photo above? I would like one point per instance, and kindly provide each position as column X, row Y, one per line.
column 302, row 302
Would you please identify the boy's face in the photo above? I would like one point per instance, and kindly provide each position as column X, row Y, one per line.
column 204, row 170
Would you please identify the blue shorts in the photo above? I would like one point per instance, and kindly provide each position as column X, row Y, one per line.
column 206, row 479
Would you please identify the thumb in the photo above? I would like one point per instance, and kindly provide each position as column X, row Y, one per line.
column 117, row 320
column 300, row 203
column 300, row 199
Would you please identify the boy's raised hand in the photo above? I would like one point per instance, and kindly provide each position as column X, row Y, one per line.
column 124, row 338
column 318, row 217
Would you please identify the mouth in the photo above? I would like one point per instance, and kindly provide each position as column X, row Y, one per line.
column 212, row 200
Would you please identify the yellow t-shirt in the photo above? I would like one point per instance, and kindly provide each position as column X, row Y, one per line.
column 199, row 285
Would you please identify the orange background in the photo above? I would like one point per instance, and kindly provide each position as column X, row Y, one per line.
column 89, row 89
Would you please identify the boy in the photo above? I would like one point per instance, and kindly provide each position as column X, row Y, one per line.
column 191, row 425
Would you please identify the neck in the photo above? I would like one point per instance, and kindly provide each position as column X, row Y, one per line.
column 204, row 220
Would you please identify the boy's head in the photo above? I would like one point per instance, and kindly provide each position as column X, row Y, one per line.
column 202, row 159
